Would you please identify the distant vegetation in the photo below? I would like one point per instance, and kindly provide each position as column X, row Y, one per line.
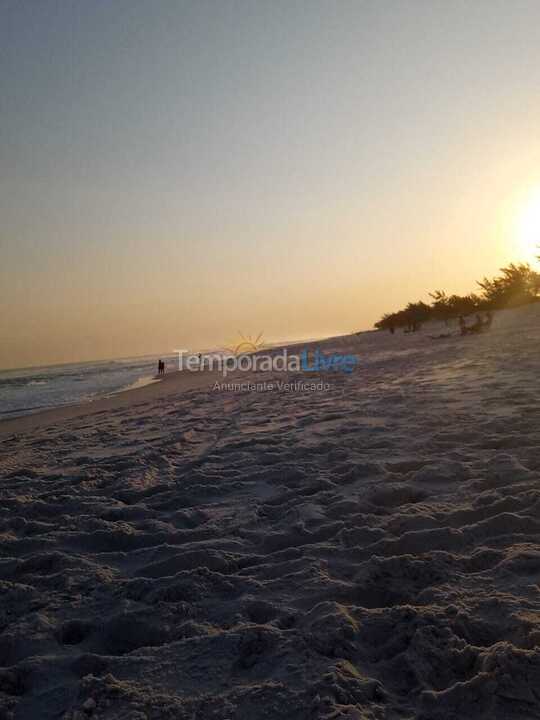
column 516, row 285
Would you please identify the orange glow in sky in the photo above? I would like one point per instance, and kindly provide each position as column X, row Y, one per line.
column 172, row 172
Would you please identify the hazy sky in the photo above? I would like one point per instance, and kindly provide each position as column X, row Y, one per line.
column 173, row 172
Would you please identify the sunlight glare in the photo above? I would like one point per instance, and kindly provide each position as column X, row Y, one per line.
column 528, row 227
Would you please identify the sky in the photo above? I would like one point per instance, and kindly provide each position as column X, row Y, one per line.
column 175, row 172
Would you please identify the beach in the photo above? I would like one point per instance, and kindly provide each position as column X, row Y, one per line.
column 366, row 549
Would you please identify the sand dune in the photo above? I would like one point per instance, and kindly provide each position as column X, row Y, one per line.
column 367, row 552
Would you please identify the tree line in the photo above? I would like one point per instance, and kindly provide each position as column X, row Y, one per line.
column 516, row 285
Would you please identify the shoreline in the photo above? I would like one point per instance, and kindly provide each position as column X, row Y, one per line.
column 171, row 383
column 176, row 381
column 180, row 381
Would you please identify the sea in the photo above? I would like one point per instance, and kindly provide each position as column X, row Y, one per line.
column 29, row 390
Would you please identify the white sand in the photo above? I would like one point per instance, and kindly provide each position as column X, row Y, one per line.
column 367, row 552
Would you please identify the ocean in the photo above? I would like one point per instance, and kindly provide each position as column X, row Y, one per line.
column 28, row 390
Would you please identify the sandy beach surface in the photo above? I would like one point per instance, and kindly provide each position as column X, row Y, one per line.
column 368, row 551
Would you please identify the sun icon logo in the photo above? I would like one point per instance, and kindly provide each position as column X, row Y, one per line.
column 246, row 345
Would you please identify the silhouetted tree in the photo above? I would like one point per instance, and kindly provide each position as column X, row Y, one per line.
column 517, row 285
column 464, row 304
